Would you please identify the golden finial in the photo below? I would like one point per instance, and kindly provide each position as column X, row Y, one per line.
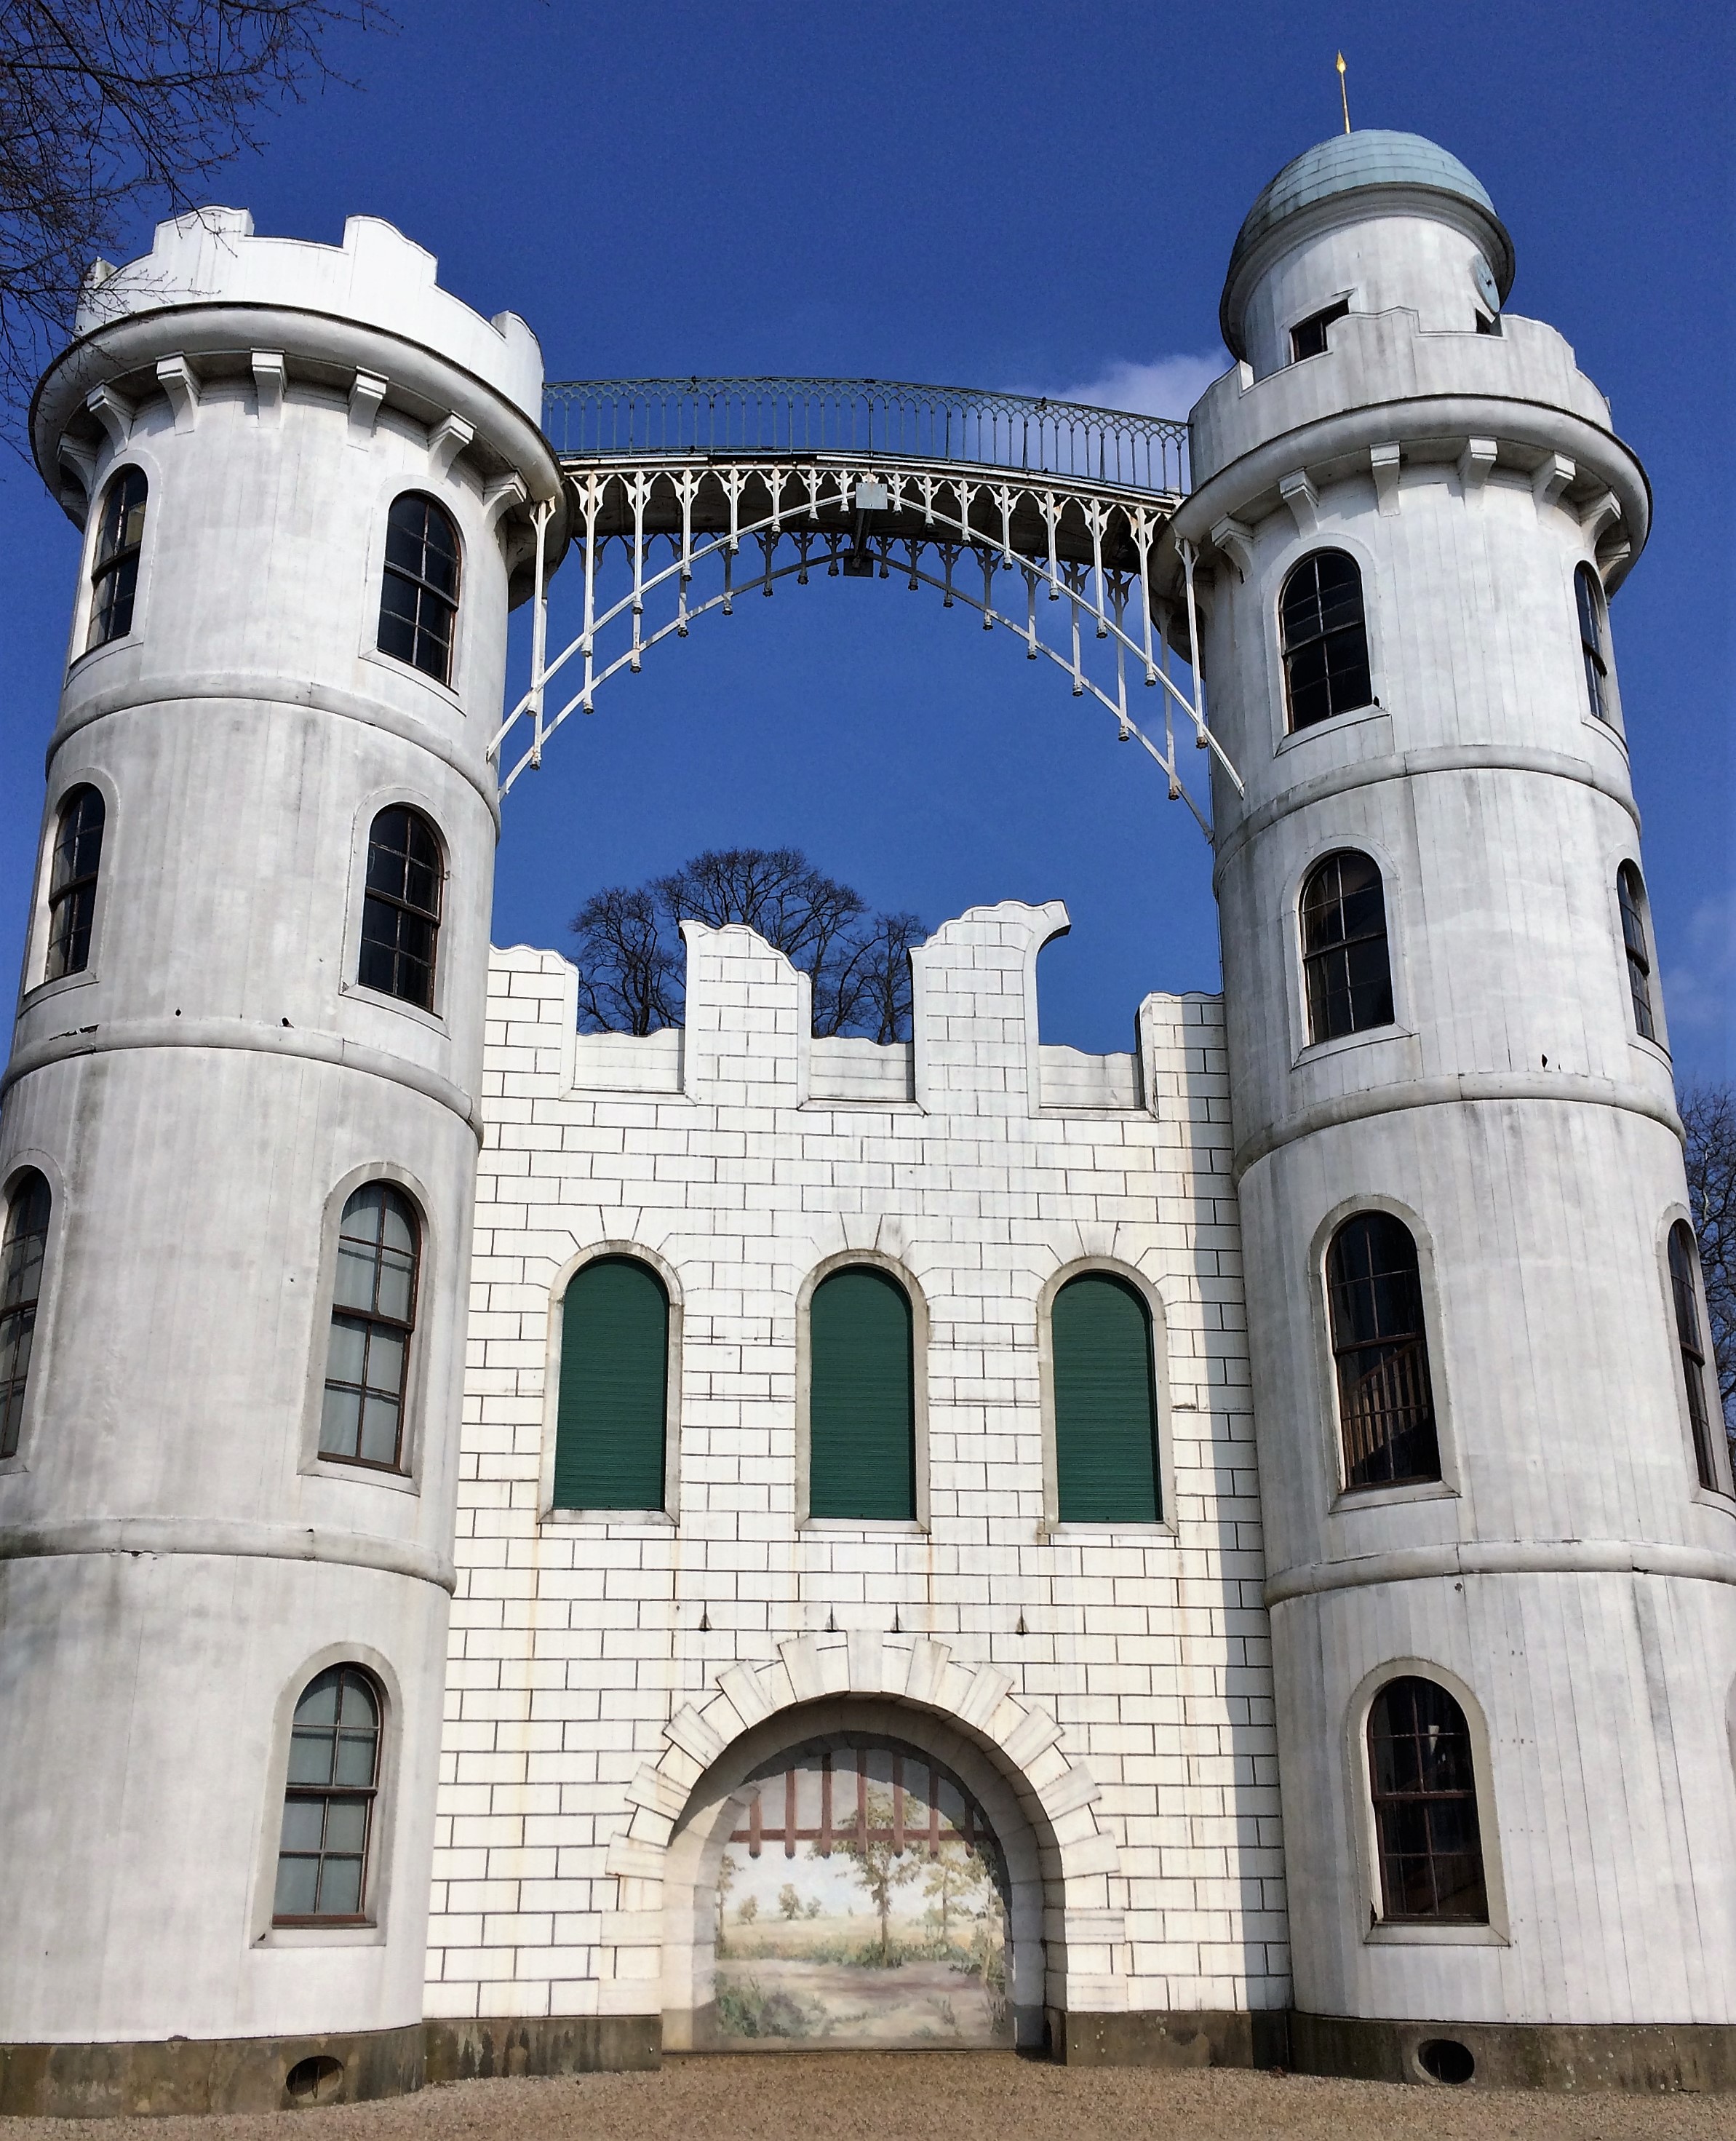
column 1343, row 94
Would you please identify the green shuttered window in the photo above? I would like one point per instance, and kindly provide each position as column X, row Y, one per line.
column 1105, row 1404
column 608, row 1451
column 862, row 1399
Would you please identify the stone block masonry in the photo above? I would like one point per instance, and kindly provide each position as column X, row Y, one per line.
column 600, row 1663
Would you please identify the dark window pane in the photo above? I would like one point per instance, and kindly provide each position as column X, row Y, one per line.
column 72, row 883
column 1630, row 895
column 401, row 911
column 22, row 1250
column 367, row 1354
column 1683, row 1262
column 1385, row 1400
column 418, row 593
column 335, row 1743
column 1423, row 1778
column 1325, row 639
column 1590, row 602
column 114, row 572
column 1344, row 956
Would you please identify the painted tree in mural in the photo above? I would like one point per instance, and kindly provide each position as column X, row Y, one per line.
column 726, row 1878
column 880, row 1868
column 788, row 1902
column 953, row 1881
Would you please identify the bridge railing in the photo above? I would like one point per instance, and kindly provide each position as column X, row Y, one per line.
column 586, row 417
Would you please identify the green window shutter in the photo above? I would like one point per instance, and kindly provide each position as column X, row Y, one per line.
column 614, row 1398
column 861, row 1404
column 1105, row 1407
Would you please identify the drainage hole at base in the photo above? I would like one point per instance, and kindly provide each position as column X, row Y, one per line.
column 317, row 2080
column 1444, row 2059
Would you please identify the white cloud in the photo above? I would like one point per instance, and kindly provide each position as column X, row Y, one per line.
column 1700, row 994
column 1167, row 386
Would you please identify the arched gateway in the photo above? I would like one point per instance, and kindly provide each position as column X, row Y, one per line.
column 559, row 1474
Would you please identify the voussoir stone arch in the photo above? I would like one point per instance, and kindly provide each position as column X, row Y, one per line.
column 916, row 1679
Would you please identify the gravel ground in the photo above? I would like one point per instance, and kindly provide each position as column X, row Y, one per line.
column 939, row 2096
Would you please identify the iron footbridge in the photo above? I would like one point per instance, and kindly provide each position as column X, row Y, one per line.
column 686, row 495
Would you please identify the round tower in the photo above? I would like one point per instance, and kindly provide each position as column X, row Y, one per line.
column 239, row 1144
column 1501, row 1536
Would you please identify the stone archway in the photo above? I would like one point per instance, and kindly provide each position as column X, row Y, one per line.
column 1066, row 1940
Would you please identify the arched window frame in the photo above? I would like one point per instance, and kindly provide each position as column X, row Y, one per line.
column 371, row 1929
column 1633, row 920
column 659, row 1519
column 1717, row 1454
column 1303, row 960
column 1344, row 1496
column 872, row 1260
column 405, row 1477
column 115, row 570
column 1600, row 702
column 422, row 592
column 355, row 935
column 1373, row 1928
column 71, row 779
column 1286, row 571
column 1158, row 1317
column 28, row 1170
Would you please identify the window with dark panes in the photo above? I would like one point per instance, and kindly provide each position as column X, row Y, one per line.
column 1593, row 649
column 611, row 1428
column 400, row 908
column 115, row 572
column 1380, row 1350
column 72, row 871
column 1105, row 1403
column 1308, row 337
column 1425, row 1785
column 1683, row 1273
column 328, row 1801
column 1630, row 894
column 1345, row 962
column 1325, row 639
column 861, row 1398
column 373, row 1318
column 21, row 1284
column 418, row 596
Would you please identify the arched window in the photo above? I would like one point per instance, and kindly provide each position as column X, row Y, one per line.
column 861, row 1398
column 1684, row 1274
column 1593, row 641
column 401, row 910
column 1385, row 1400
column 1325, row 639
column 612, row 1424
column 114, row 572
column 1344, row 958
column 20, row 1286
column 373, row 1316
column 1423, row 1780
column 1631, row 894
column 72, row 883
column 328, row 1802
column 419, row 597
column 1105, row 1403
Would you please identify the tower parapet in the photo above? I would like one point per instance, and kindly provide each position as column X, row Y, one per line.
column 243, row 1094
column 1502, row 1549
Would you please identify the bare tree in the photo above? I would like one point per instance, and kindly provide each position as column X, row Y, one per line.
column 631, row 961
column 1708, row 1114
column 108, row 107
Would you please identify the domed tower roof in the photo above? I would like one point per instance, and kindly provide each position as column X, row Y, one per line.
column 1401, row 166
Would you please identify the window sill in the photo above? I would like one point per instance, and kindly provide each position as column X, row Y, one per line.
column 1655, row 1049
column 1349, row 1498
column 43, row 991
column 1317, row 1051
column 865, row 1526
column 431, row 1019
column 651, row 1520
column 390, row 662
column 1334, row 724
column 319, row 1467
column 337, row 1936
column 1610, row 732
column 133, row 639
column 1137, row 1531
column 1709, row 1498
column 1392, row 1934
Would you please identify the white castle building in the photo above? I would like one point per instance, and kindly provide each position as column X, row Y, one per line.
column 500, row 1528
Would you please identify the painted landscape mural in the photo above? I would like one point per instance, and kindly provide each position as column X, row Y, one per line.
column 862, row 1901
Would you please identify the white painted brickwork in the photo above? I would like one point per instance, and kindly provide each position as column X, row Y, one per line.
column 730, row 1153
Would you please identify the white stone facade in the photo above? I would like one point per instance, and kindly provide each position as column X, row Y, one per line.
column 740, row 1156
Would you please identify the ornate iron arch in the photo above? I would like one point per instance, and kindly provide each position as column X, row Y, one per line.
column 1054, row 501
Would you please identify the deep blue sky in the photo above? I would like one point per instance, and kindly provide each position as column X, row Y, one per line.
column 1004, row 195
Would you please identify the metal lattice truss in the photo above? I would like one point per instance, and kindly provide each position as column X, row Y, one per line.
column 1061, row 561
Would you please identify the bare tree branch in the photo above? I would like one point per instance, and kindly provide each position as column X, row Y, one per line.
column 631, row 964
column 1708, row 1114
column 110, row 108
